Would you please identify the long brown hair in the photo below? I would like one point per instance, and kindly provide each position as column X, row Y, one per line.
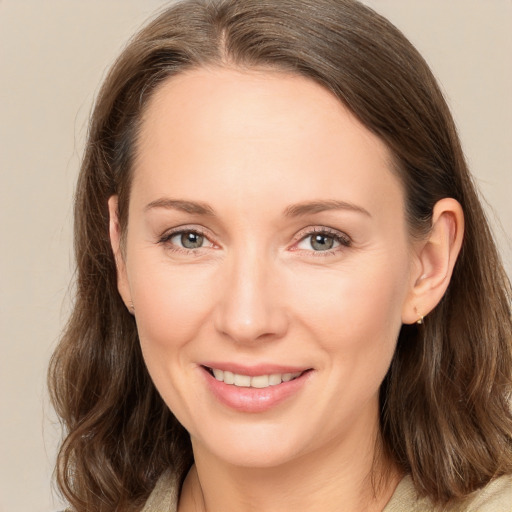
column 445, row 402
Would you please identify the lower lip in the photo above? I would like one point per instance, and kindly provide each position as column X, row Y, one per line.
column 254, row 400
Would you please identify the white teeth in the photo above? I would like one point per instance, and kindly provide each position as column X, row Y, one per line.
column 258, row 381
column 219, row 374
column 261, row 381
column 274, row 379
column 242, row 380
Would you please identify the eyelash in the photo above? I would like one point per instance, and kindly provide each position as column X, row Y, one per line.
column 341, row 238
column 338, row 236
column 166, row 238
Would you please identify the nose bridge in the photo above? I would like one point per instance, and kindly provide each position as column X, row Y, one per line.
column 248, row 308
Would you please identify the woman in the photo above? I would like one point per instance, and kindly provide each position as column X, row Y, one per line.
column 288, row 295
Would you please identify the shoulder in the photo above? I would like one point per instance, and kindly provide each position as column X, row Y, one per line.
column 495, row 497
column 164, row 496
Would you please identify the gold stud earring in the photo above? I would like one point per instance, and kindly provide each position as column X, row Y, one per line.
column 420, row 317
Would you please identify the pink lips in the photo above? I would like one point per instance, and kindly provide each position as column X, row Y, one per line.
column 250, row 399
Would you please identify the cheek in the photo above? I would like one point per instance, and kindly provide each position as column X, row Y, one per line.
column 170, row 303
column 171, row 308
column 356, row 311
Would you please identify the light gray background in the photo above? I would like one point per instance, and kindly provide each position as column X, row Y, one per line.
column 53, row 54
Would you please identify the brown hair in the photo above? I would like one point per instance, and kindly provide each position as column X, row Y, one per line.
column 445, row 410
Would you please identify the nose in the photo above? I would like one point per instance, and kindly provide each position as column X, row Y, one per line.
column 250, row 303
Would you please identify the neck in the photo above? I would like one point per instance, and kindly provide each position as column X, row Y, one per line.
column 341, row 477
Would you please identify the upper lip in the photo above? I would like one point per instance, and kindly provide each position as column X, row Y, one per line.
column 254, row 370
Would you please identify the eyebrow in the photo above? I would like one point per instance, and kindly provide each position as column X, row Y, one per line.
column 178, row 204
column 294, row 210
column 308, row 207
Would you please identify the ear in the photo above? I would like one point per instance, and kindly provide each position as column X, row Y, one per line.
column 115, row 242
column 435, row 259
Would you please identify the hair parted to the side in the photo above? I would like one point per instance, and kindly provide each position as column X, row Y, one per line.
column 445, row 403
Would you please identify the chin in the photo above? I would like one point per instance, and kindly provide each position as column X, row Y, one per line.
column 256, row 447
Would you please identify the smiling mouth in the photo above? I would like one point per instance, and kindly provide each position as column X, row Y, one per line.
column 248, row 381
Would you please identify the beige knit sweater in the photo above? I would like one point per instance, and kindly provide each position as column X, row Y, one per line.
column 496, row 497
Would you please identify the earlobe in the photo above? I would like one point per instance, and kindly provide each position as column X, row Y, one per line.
column 435, row 256
column 115, row 242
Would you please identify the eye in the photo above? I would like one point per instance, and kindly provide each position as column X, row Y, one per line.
column 323, row 240
column 188, row 240
column 185, row 240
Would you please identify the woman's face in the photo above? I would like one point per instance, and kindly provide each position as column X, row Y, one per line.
column 266, row 242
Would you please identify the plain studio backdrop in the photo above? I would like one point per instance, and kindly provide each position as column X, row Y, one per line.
column 53, row 55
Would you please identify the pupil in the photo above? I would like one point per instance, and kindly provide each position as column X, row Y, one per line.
column 322, row 242
column 191, row 240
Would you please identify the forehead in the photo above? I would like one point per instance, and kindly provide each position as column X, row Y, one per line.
column 258, row 131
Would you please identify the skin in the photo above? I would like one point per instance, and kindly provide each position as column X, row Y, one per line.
column 250, row 145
